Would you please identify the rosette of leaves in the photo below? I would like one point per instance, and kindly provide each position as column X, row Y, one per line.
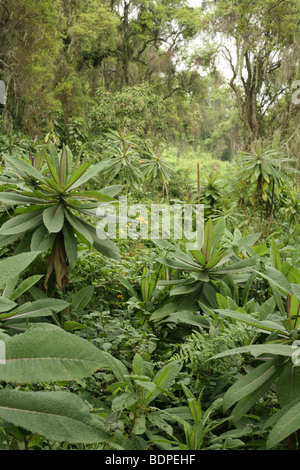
column 48, row 191
column 212, row 191
column 267, row 171
column 123, row 160
column 158, row 166
column 209, row 263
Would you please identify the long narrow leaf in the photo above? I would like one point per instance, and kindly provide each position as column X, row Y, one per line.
column 58, row 416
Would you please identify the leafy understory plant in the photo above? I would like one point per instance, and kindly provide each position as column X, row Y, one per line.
column 148, row 294
column 43, row 354
column 135, row 394
column 198, row 426
column 202, row 267
column 158, row 166
column 278, row 357
column 49, row 199
column 123, row 160
column 46, row 354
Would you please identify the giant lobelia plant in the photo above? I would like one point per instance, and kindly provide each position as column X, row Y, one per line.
column 47, row 205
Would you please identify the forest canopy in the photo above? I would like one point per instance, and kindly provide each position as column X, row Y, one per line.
column 155, row 66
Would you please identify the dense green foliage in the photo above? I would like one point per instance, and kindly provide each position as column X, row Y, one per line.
column 132, row 342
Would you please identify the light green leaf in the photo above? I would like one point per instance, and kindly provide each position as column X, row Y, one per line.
column 125, row 400
column 24, row 167
column 288, row 384
column 296, row 290
column 246, row 403
column 58, row 416
column 82, row 297
column 77, row 174
column 6, row 304
column 139, row 426
column 265, row 325
column 41, row 239
column 257, row 350
column 38, row 308
column 21, row 223
column 70, row 244
column 275, row 256
column 250, row 382
column 53, row 218
column 50, row 354
column 285, row 426
column 25, row 285
column 164, row 379
column 15, row 199
column 12, row 266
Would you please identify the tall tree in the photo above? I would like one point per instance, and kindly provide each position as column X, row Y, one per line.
column 259, row 41
column 29, row 45
column 150, row 34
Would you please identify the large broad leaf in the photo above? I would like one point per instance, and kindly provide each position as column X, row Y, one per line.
column 12, row 266
column 82, row 297
column 53, row 218
column 112, row 190
column 275, row 256
column 257, row 350
column 246, row 403
column 164, row 379
column 264, row 325
column 89, row 173
column 107, row 247
column 78, row 225
column 276, row 278
column 15, row 199
column 218, row 233
column 208, row 240
column 76, row 175
column 21, row 223
column 285, row 426
column 54, row 171
column 70, row 244
column 288, row 385
column 240, row 266
column 89, row 195
column 37, row 308
column 296, row 290
column 25, row 167
column 250, row 382
column 65, row 164
column 25, row 285
column 58, row 416
column 6, row 240
column 41, row 239
column 6, row 304
column 189, row 318
column 44, row 354
column 248, row 240
column 177, row 263
column 118, row 368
